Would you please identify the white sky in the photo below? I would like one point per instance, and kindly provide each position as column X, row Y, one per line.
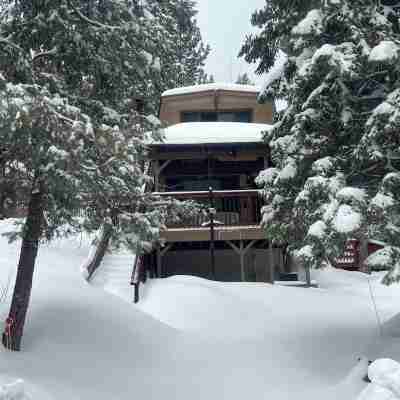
column 224, row 25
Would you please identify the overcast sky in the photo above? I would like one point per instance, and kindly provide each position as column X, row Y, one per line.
column 224, row 25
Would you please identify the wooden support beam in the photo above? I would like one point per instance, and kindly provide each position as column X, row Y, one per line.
column 234, row 247
column 164, row 165
column 238, row 250
column 241, row 251
column 242, row 264
column 158, row 168
column 250, row 245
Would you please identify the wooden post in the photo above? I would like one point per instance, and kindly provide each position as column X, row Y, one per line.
column 212, row 238
column 160, row 255
column 308, row 276
column 159, row 262
column 242, row 266
column 271, row 262
column 363, row 254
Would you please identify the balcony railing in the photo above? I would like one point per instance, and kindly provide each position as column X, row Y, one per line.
column 234, row 208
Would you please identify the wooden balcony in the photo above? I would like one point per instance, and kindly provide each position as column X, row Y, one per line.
column 238, row 216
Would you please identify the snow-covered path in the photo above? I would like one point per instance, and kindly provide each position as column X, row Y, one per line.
column 188, row 337
column 114, row 275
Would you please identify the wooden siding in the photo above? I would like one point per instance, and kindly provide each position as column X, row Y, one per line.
column 222, row 100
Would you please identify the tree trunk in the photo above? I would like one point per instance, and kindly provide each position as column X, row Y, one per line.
column 23, row 285
column 101, row 249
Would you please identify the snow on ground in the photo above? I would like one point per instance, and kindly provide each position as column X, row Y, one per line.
column 189, row 337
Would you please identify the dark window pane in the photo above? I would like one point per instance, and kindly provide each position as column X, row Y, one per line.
column 209, row 116
column 190, row 117
column 243, row 116
column 226, row 117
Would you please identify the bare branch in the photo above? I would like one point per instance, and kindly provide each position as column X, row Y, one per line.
column 37, row 56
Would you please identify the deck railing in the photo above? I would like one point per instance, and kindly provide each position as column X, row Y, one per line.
column 233, row 207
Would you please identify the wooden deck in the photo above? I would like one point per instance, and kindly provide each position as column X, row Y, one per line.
column 202, row 234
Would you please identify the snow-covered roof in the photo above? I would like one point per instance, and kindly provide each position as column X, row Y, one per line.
column 214, row 133
column 211, row 86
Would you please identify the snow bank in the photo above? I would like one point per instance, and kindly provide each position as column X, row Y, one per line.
column 211, row 86
column 353, row 384
column 385, row 377
column 13, row 391
column 214, row 133
column 188, row 337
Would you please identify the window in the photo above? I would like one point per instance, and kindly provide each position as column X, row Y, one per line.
column 214, row 116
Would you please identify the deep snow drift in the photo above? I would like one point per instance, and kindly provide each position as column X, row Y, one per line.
column 188, row 337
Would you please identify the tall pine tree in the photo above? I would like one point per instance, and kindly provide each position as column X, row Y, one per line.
column 341, row 70
column 180, row 47
column 70, row 73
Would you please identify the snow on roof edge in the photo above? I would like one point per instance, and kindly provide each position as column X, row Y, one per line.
column 211, row 86
column 197, row 133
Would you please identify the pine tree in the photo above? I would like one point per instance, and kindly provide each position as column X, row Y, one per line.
column 204, row 78
column 180, row 47
column 70, row 72
column 275, row 22
column 243, row 79
column 319, row 191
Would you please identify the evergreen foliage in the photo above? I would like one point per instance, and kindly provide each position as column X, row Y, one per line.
column 180, row 47
column 335, row 148
column 72, row 106
column 243, row 79
column 205, row 78
column 70, row 74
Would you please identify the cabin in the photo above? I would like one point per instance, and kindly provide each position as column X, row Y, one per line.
column 212, row 151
